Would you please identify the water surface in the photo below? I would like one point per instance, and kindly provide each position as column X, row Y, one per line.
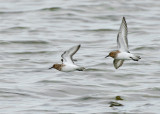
column 33, row 35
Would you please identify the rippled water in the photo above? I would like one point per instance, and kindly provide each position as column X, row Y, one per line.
column 33, row 35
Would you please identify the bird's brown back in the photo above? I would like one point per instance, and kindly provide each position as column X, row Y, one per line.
column 58, row 66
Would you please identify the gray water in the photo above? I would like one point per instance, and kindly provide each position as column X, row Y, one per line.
column 34, row 34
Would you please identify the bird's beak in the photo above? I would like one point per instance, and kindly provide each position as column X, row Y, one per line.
column 107, row 56
column 50, row 67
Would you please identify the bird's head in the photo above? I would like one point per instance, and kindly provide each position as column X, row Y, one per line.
column 56, row 66
column 112, row 54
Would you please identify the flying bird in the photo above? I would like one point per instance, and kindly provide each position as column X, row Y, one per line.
column 123, row 49
column 68, row 64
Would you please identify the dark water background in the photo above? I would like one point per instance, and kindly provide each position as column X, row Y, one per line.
column 33, row 35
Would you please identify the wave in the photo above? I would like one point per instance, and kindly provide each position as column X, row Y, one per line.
column 23, row 11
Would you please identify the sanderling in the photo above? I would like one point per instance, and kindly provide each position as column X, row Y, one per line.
column 123, row 52
column 67, row 61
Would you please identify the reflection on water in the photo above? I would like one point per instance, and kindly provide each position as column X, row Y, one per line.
column 33, row 35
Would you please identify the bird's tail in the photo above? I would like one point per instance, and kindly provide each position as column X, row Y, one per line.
column 135, row 58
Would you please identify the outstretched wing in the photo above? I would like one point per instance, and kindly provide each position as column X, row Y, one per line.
column 117, row 63
column 122, row 40
column 67, row 55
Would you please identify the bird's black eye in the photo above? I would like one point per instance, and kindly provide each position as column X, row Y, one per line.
column 62, row 60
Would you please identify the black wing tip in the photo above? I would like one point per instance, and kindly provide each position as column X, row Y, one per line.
column 124, row 21
column 79, row 45
column 116, row 67
column 124, row 18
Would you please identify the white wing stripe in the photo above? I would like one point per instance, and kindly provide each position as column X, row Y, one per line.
column 67, row 55
column 122, row 40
